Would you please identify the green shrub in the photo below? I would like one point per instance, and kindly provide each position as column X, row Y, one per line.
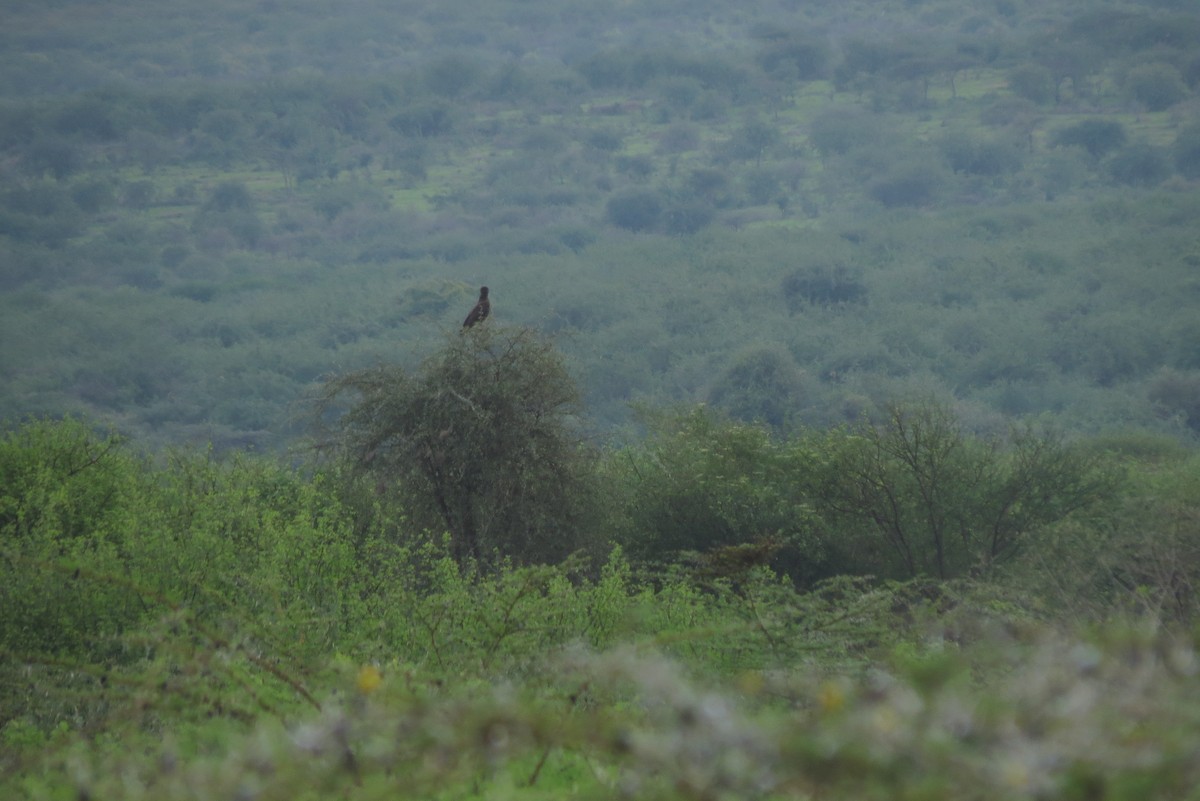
column 702, row 484
column 919, row 496
column 478, row 441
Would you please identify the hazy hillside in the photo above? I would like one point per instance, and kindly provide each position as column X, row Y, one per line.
column 791, row 210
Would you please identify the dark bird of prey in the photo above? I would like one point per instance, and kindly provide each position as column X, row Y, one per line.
column 481, row 310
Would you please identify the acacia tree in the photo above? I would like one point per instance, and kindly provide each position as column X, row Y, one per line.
column 946, row 503
column 478, row 441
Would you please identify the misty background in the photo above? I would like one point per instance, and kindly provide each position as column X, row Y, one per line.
column 795, row 212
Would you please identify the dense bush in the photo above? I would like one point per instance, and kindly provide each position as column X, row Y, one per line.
column 635, row 210
column 824, row 285
column 1156, row 86
column 243, row 624
column 908, row 185
column 987, row 157
column 1140, row 165
column 478, row 441
column 761, row 385
column 1032, row 82
column 932, row 500
column 1187, row 151
column 1097, row 137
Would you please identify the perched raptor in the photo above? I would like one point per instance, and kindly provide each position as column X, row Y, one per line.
column 481, row 310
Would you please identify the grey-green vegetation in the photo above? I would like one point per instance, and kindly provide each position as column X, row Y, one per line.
column 832, row 436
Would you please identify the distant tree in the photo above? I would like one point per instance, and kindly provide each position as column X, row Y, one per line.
column 908, row 185
column 54, row 155
column 1140, row 164
column 1097, row 137
column 751, row 141
column 840, row 130
column 679, row 137
column 90, row 118
column 452, row 75
column 229, row 196
column 707, row 182
column 823, row 285
column 229, row 213
column 1032, row 82
column 1177, row 393
column 979, row 156
column 1109, row 29
column 607, row 69
column 139, row 194
column 223, row 123
column 93, row 195
column 477, row 442
column 763, row 184
column 1155, row 86
column 795, row 56
column 687, row 217
column 635, row 209
column 41, row 211
column 1067, row 61
column 1186, row 151
column 680, row 93
column 218, row 138
column 606, row 140
column 1191, row 73
column 761, row 384
column 510, row 81
column 424, row 118
column 639, row 166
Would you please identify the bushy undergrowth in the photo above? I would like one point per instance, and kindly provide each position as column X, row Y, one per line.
column 183, row 627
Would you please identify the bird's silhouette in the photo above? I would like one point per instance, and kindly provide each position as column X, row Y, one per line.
column 481, row 310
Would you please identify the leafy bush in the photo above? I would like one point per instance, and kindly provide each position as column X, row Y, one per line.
column 702, row 484
column 67, row 497
column 927, row 499
column 1138, row 557
column 478, row 441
